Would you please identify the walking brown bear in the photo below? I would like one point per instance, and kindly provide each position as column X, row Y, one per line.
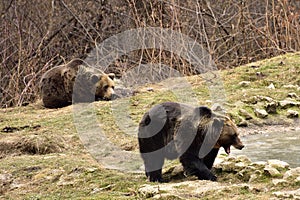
column 194, row 134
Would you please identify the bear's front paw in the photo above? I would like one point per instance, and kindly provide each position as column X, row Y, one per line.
column 156, row 179
column 213, row 178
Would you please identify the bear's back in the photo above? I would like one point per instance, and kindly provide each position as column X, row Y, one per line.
column 56, row 84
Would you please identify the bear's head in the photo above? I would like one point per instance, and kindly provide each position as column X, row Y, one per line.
column 229, row 136
column 104, row 86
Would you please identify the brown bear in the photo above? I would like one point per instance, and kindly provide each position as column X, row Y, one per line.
column 75, row 82
column 194, row 134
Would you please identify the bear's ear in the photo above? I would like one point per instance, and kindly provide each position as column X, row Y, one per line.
column 111, row 76
column 204, row 111
column 95, row 78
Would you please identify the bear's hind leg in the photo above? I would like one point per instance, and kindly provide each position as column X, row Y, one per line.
column 195, row 166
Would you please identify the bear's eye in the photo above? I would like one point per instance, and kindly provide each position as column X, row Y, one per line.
column 105, row 87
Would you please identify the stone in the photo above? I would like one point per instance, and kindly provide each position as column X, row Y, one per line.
column 260, row 113
column 217, row 107
column 284, row 104
column 148, row 190
column 243, row 123
column 166, row 196
column 292, row 114
column 253, row 178
column 292, row 173
column 293, row 95
column 240, row 165
column 278, row 164
column 251, row 100
column 259, row 164
column 186, row 189
column 265, row 98
column 271, row 86
column 271, row 171
column 177, row 171
column 271, row 107
column 244, row 113
column 244, row 83
column 6, row 181
column 293, row 194
column 244, row 159
column 290, row 86
column 279, row 182
column 228, row 166
column 297, row 180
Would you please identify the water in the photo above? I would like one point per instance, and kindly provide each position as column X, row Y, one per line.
column 263, row 147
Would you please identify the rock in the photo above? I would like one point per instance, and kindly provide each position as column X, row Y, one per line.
column 253, row 178
column 294, row 194
column 177, row 171
column 148, row 191
column 243, row 158
column 264, row 98
column 260, row 74
column 187, row 189
column 208, row 101
column 271, row 171
column 292, row 174
column 243, row 123
column 271, row 86
column 245, row 114
column 293, row 95
column 251, row 100
column 278, row 164
column 244, row 83
column 66, row 181
column 279, row 182
column 239, row 166
column 290, row 86
column 271, row 107
column 288, row 103
column 6, row 182
column 260, row 113
column 292, row 114
column 228, row 166
column 166, row 196
column 259, row 164
column 217, row 107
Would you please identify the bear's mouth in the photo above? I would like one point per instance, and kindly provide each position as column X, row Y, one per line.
column 227, row 149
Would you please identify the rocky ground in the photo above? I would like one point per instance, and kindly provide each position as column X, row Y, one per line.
column 263, row 180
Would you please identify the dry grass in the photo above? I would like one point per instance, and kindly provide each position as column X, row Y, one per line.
column 48, row 33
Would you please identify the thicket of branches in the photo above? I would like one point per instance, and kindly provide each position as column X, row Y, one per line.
column 36, row 35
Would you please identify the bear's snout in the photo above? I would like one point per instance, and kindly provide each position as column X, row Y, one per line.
column 239, row 146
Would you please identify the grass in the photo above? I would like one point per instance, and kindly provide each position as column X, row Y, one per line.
column 61, row 167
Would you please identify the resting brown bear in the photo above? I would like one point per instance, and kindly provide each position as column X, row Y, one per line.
column 75, row 81
column 194, row 134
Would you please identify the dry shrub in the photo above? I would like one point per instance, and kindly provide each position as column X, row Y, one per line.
column 33, row 144
column 48, row 33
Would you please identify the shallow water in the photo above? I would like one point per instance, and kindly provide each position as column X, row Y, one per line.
column 263, row 147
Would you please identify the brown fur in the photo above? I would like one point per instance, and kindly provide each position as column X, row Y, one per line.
column 58, row 88
column 195, row 135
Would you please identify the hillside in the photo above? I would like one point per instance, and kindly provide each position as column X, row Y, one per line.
column 42, row 156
